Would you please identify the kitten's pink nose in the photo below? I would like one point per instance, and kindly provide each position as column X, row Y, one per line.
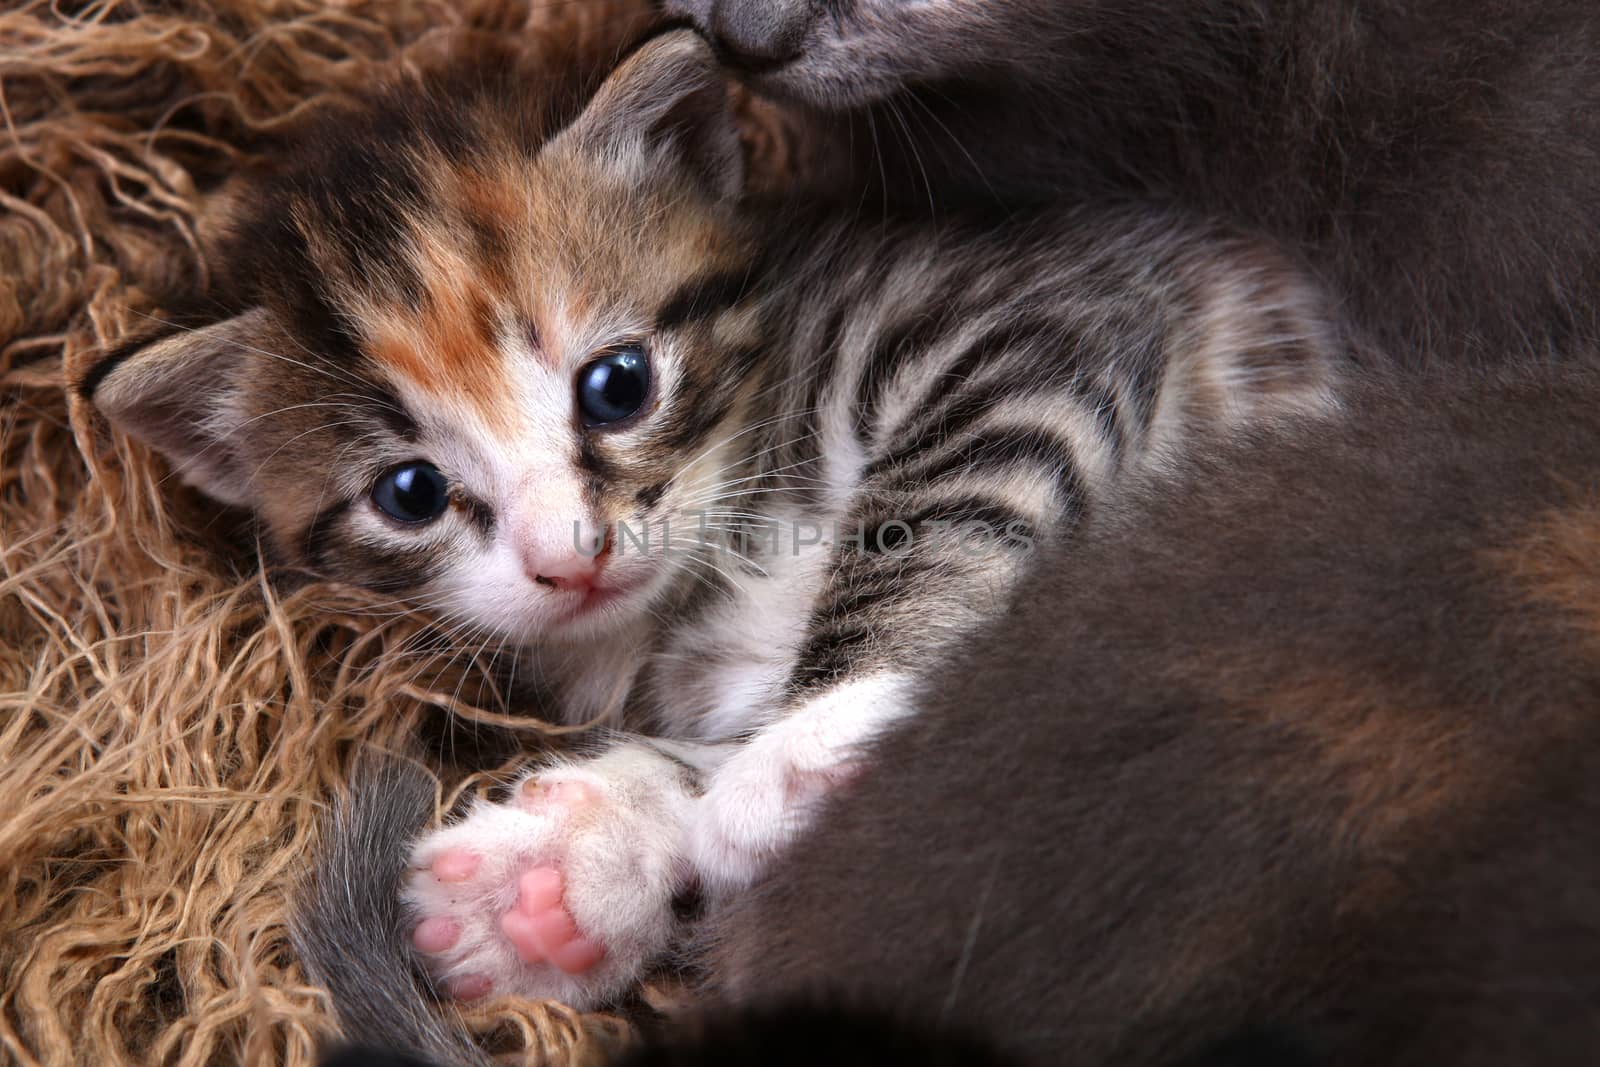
column 569, row 570
column 574, row 575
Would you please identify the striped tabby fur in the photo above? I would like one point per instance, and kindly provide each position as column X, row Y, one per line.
column 426, row 283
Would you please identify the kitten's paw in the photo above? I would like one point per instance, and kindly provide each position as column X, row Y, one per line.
column 564, row 892
column 766, row 793
column 755, row 806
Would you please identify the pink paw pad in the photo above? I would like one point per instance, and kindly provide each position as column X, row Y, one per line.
column 436, row 935
column 469, row 986
column 456, row 865
column 542, row 930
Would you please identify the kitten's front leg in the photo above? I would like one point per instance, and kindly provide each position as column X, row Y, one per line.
column 764, row 795
column 565, row 890
column 882, row 620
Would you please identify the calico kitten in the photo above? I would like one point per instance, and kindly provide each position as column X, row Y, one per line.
column 1438, row 161
column 734, row 479
column 1286, row 759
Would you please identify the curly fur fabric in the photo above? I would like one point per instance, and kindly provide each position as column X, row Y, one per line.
column 171, row 725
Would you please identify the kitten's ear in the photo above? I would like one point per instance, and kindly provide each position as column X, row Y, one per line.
column 180, row 393
column 667, row 103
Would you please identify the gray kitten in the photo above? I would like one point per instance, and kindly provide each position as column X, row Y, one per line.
column 1289, row 755
column 1438, row 160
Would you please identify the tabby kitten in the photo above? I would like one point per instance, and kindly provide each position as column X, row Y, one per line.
column 1437, row 160
column 733, row 479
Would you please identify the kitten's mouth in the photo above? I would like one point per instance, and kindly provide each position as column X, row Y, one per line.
column 593, row 598
column 748, row 67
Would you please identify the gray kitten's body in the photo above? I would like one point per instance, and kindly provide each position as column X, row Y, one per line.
column 1290, row 756
column 1438, row 162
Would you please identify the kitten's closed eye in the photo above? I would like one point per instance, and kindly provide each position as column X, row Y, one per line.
column 412, row 493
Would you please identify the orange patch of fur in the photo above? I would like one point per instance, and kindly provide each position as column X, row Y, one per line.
column 1382, row 774
column 1398, row 765
column 448, row 347
column 1556, row 568
column 491, row 201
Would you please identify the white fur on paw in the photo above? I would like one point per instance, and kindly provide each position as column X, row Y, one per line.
column 564, row 892
column 766, row 793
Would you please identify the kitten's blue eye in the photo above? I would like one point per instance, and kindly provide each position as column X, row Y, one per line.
column 412, row 492
column 614, row 386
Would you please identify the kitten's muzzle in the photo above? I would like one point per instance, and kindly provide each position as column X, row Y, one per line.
column 754, row 36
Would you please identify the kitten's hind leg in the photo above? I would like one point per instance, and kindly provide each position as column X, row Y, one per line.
column 565, row 890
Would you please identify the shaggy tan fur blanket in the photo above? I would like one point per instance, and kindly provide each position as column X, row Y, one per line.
column 172, row 725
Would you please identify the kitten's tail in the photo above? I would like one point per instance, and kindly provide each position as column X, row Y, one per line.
column 348, row 927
